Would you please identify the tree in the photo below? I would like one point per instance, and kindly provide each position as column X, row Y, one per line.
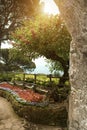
column 55, row 67
column 14, row 60
column 12, row 12
column 47, row 36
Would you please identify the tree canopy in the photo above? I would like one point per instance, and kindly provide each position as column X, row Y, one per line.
column 14, row 60
column 12, row 12
column 43, row 34
column 46, row 36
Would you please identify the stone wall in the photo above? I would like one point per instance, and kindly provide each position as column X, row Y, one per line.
column 74, row 13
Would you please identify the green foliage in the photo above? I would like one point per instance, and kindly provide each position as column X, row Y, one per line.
column 13, row 12
column 44, row 35
column 55, row 67
column 14, row 60
column 7, row 62
column 6, row 76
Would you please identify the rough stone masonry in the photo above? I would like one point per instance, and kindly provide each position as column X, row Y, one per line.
column 74, row 12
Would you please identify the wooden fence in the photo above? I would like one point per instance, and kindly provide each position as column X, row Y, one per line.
column 35, row 77
column 23, row 78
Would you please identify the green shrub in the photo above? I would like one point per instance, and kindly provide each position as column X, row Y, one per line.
column 6, row 76
column 29, row 80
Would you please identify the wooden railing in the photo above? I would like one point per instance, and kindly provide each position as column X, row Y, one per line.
column 35, row 77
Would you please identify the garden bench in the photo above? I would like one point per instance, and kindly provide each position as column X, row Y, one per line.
column 30, row 85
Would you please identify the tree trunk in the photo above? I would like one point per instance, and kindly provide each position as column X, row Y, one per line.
column 0, row 49
column 65, row 65
column 75, row 14
column 64, row 77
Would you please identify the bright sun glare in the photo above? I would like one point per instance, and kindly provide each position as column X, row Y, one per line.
column 50, row 7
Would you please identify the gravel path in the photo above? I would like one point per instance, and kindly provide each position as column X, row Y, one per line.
column 10, row 121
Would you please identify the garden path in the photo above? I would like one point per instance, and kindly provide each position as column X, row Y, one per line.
column 10, row 121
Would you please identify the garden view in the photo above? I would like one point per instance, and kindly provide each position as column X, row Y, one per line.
column 35, row 29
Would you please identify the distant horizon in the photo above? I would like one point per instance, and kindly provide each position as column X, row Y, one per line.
column 41, row 66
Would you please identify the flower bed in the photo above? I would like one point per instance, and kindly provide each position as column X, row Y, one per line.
column 28, row 95
column 33, row 107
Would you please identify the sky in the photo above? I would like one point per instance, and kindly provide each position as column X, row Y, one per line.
column 6, row 45
column 50, row 7
column 41, row 66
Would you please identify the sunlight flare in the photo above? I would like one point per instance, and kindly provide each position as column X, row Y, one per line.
column 50, row 7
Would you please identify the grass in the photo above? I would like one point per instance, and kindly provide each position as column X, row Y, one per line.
column 40, row 78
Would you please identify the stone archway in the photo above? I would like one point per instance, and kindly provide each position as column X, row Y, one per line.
column 75, row 14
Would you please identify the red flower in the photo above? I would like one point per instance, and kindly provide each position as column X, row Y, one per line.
column 27, row 95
